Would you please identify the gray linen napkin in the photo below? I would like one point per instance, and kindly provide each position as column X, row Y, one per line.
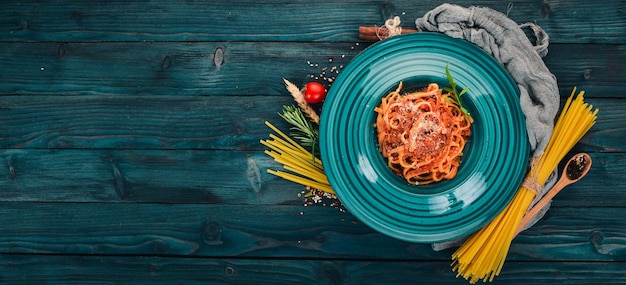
column 507, row 42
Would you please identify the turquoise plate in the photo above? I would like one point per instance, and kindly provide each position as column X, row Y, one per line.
column 494, row 161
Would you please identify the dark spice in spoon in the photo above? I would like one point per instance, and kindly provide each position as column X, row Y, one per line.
column 576, row 167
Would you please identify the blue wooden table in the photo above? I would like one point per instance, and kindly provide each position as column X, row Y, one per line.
column 129, row 146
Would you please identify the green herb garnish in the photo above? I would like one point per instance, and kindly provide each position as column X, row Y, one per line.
column 303, row 129
column 456, row 99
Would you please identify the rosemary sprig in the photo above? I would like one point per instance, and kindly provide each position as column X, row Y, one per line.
column 457, row 95
column 303, row 129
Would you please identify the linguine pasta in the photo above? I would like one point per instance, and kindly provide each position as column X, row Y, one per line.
column 421, row 134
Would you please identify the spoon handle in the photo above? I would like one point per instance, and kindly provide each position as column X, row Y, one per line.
column 542, row 203
column 579, row 164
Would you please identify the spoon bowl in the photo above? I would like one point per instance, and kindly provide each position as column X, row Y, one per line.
column 577, row 167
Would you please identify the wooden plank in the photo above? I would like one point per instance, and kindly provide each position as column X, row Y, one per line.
column 608, row 134
column 213, row 177
column 188, row 122
column 245, row 20
column 259, row 231
column 572, row 234
column 138, row 122
column 50, row 269
column 164, row 68
column 193, row 230
column 576, row 66
column 210, row 177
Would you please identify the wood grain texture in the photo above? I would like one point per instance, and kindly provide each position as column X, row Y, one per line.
column 129, row 129
column 245, row 20
column 583, row 67
column 187, row 122
column 117, row 176
column 35, row 269
column 163, row 68
column 209, row 177
column 246, row 68
column 138, row 122
column 275, row 232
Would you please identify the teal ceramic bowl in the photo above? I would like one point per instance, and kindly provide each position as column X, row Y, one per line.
column 494, row 161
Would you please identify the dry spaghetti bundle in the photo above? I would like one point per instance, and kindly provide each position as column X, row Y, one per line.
column 482, row 256
column 303, row 167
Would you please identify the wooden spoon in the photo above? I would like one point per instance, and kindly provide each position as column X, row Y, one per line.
column 575, row 169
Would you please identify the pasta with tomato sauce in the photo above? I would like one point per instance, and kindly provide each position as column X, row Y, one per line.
column 422, row 134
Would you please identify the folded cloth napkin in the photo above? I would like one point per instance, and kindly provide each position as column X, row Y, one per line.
column 507, row 42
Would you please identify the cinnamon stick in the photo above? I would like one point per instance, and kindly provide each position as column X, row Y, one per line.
column 377, row 33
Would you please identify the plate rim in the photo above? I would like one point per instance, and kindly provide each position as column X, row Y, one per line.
column 410, row 40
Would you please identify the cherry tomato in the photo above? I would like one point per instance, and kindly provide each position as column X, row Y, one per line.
column 314, row 92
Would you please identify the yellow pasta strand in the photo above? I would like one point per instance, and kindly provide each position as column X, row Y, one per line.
column 483, row 255
column 295, row 153
column 291, row 141
column 303, row 167
column 300, row 180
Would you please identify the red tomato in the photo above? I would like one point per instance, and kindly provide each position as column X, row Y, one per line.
column 314, row 92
